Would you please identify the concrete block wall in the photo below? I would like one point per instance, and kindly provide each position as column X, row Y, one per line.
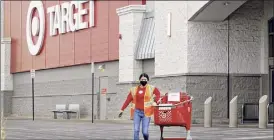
column 247, row 88
column 202, row 87
column 55, row 86
column 66, row 85
column 202, row 47
column 246, row 38
column 216, row 86
column 208, row 42
column 207, row 47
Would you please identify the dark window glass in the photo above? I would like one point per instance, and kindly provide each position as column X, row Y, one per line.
column 272, row 22
column 271, row 38
column 270, row 26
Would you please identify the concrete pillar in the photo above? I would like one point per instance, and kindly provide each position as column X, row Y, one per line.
column 6, row 76
column 233, row 112
column 130, row 21
column 207, row 112
column 263, row 112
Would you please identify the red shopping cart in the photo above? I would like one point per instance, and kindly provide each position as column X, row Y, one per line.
column 174, row 113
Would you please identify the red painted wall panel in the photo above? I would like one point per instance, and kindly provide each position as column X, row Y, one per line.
column 82, row 47
column 135, row 2
column 82, row 42
column 95, row 44
column 16, row 41
column 26, row 58
column 7, row 18
column 67, row 48
column 100, row 52
column 52, row 43
column 99, row 33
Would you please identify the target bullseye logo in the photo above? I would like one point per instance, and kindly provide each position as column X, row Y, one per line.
column 35, row 27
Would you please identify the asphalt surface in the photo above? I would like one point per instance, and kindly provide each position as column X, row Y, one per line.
column 70, row 129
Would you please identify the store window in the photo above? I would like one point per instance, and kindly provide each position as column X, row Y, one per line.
column 271, row 37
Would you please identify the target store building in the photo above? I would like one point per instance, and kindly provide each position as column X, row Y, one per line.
column 218, row 49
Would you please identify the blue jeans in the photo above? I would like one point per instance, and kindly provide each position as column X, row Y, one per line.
column 138, row 117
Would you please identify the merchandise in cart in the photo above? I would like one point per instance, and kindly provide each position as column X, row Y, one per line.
column 174, row 109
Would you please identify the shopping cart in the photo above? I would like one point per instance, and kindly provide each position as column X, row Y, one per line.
column 174, row 113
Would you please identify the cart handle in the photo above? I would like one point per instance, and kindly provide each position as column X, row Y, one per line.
column 159, row 100
column 191, row 99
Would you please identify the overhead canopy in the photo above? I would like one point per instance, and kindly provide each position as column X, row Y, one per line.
column 216, row 10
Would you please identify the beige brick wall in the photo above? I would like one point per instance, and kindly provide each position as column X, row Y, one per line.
column 170, row 52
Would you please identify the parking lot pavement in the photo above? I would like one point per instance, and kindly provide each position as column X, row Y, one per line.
column 39, row 129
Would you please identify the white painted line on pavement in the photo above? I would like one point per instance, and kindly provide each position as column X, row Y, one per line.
column 249, row 138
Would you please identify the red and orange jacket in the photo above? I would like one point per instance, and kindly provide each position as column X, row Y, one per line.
column 139, row 98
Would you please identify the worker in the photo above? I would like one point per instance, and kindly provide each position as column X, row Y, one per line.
column 142, row 98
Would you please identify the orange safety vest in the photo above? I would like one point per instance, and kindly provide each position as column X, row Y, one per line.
column 148, row 101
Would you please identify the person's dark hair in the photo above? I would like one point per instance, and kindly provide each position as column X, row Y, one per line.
column 143, row 75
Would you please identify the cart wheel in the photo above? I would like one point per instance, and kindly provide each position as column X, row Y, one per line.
column 161, row 129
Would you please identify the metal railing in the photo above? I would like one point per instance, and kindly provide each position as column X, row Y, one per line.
column 250, row 112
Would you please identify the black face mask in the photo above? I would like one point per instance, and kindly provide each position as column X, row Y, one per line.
column 143, row 83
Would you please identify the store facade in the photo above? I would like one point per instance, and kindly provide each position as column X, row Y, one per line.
column 182, row 45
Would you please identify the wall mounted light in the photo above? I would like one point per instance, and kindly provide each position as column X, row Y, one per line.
column 169, row 24
column 102, row 67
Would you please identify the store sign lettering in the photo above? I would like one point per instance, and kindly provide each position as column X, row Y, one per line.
column 62, row 17
column 62, row 20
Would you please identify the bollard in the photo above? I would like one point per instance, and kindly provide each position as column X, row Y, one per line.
column 233, row 112
column 207, row 112
column 263, row 112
